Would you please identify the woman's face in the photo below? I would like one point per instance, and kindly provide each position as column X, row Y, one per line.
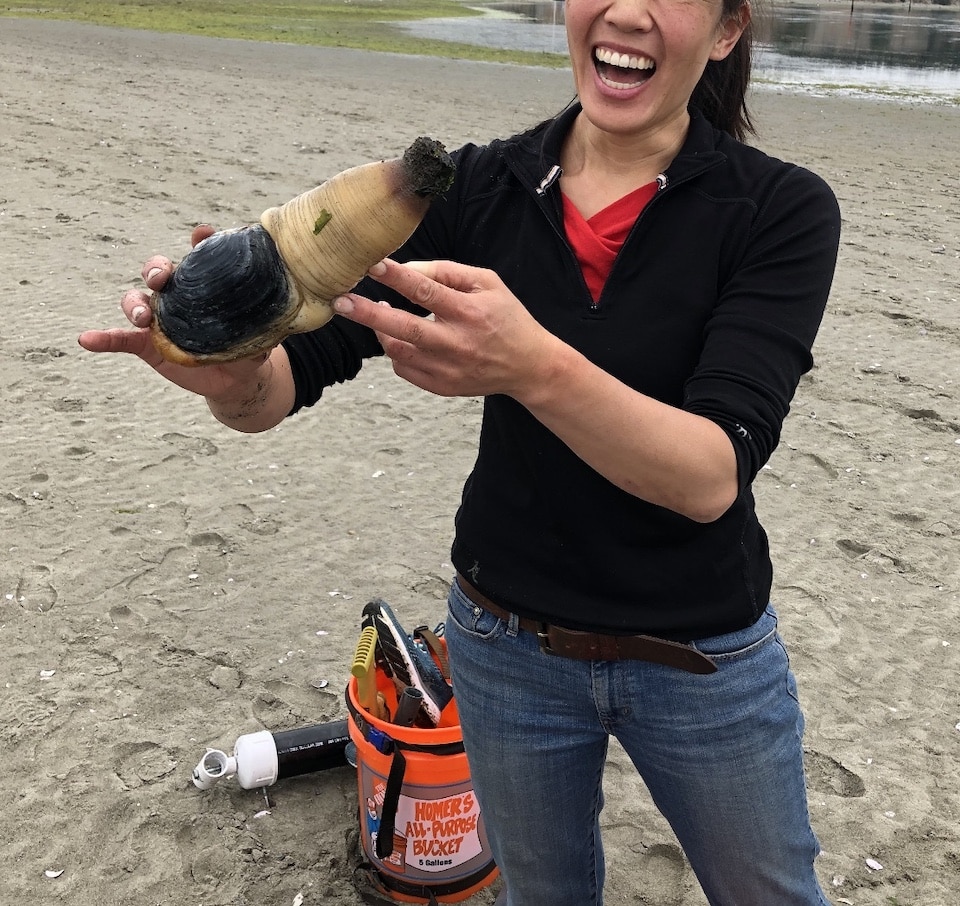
column 636, row 62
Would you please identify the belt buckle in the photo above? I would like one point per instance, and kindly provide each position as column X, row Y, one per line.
column 543, row 637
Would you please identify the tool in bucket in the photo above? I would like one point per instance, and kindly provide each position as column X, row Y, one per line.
column 420, row 823
column 406, row 659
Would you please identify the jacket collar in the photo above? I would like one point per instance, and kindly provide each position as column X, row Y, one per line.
column 535, row 157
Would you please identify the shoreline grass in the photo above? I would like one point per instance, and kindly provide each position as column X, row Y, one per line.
column 359, row 24
column 371, row 25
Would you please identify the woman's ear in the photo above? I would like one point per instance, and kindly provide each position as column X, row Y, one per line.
column 731, row 28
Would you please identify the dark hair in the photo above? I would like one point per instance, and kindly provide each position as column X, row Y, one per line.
column 721, row 92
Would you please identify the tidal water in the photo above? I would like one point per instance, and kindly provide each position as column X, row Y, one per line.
column 904, row 51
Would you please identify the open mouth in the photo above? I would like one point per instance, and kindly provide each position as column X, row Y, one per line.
column 620, row 70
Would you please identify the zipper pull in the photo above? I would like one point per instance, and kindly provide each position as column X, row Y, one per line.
column 553, row 174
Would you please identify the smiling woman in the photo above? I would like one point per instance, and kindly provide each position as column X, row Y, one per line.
column 700, row 49
column 634, row 293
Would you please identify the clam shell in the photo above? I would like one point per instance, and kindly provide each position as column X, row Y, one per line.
column 230, row 296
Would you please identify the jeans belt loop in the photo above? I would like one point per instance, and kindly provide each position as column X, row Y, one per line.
column 543, row 636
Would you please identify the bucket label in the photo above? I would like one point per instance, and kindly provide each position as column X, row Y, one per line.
column 437, row 829
column 440, row 833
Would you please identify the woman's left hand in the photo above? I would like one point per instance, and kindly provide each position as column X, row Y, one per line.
column 478, row 341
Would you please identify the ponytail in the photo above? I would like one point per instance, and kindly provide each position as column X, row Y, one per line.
column 721, row 92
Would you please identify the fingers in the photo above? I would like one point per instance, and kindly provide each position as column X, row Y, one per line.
column 379, row 316
column 201, row 232
column 116, row 339
column 461, row 277
column 427, row 283
column 136, row 306
column 440, row 287
column 156, row 271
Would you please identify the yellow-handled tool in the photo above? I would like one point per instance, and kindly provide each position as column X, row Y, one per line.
column 364, row 670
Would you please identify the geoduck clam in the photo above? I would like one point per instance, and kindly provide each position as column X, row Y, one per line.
column 241, row 291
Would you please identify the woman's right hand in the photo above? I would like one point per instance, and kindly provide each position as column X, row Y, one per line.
column 249, row 395
column 212, row 381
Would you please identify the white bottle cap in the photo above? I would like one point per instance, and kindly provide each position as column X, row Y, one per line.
column 256, row 757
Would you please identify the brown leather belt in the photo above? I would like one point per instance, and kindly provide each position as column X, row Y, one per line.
column 594, row 646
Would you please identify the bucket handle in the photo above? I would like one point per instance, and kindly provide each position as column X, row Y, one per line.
column 391, row 796
column 388, row 815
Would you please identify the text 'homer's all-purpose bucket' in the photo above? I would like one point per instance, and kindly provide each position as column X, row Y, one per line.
column 420, row 822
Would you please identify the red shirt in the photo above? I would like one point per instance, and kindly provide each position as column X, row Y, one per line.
column 597, row 241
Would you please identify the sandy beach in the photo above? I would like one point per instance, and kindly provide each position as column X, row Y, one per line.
column 167, row 585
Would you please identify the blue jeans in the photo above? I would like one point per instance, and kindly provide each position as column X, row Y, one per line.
column 720, row 754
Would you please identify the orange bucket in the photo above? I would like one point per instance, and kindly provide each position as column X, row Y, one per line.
column 420, row 822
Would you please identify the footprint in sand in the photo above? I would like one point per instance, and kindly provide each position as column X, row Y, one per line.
column 42, row 354
column 142, row 763
column 34, row 589
column 853, row 549
column 20, row 717
column 827, row 775
column 198, row 446
column 662, row 867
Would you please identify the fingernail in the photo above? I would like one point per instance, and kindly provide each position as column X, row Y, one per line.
column 384, row 302
column 342, row 305
column 138, row 314
column 153, row 272
column 378, row 269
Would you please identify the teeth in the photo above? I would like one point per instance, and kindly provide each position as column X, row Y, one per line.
column 622, row 60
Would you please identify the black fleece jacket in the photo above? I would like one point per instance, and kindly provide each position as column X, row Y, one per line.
column 712, row 306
